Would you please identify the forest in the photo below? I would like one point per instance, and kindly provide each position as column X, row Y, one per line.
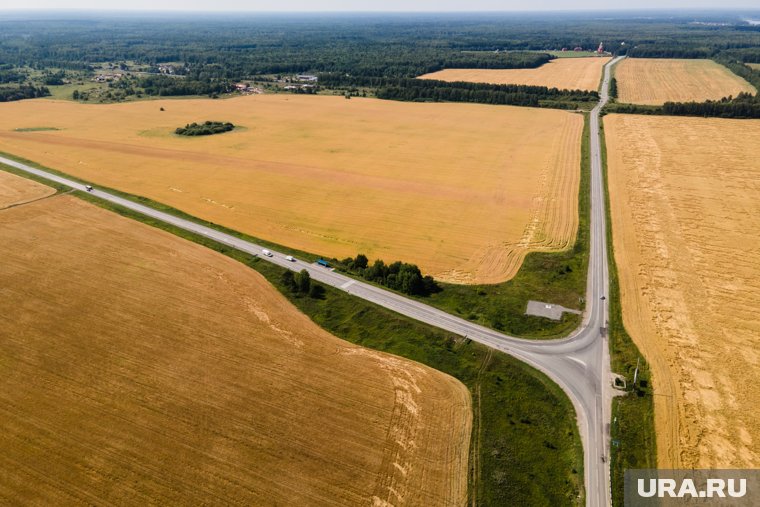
column 20, row 92
column 375, row 54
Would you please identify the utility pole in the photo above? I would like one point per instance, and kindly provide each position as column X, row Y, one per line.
column 636, row 373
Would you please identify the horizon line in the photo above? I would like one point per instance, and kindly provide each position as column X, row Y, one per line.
column 340, row 11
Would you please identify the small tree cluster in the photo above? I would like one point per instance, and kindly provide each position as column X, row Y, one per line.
column 400, row 276
column 300, row 283
column 204, row 129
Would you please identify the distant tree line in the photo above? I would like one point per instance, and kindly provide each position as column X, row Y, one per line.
column 400, row 276
column 674, row 51
column 743, row 106
column 165, row 86
column 204, row 129
column 613, row 88
column 11, row 76
column 410, row 89
column 25, row 91
column 517, row 95
column 54, row 78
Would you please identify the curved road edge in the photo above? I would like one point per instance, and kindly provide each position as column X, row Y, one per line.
column 579, row 363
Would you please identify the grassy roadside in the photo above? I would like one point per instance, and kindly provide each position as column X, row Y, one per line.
column 632, row 430
column 553, row 277
column 525, row 447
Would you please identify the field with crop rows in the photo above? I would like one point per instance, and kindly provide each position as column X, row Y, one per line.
column 140, row 368
column 564, row 73
column 684, row 194
column 336, row 177
column 15, row 191
column 654, row 81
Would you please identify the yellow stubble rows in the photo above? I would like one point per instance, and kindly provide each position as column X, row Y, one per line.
column 140, row 368
column 464, row 191
column 684, row 195
column 562, row 73
column 654, row 81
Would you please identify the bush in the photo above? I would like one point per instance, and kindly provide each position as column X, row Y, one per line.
column 317, row 291
column 289, row 281
column 204, row 129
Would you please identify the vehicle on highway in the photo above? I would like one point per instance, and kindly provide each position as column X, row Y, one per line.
column 267, row 252
column 88, row 188
column 290, row 258
column 324, row 263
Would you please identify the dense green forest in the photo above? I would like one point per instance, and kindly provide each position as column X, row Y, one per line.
column 349, row 51
column 24, row 91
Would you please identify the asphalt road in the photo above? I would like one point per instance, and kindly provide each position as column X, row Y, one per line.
column 579, row 364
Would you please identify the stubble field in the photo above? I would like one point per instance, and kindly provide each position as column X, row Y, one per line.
column 654, row 81
column 336, row 177
column 562, row 73
column 684, row 194
column 15, row 191
column 140, row 368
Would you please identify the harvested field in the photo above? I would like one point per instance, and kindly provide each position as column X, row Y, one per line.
column 654, row 81
column 140, row 368
column 336, row 177
column 685, row 216
column 754, row 65
column 562, row 73
column 15, row 190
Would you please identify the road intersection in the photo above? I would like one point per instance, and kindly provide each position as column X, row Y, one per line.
column 579, row 363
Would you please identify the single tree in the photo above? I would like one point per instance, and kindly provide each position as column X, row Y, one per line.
column 289, row 281
column 303, row 280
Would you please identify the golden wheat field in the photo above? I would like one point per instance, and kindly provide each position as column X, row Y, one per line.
column 685, row 196
column 336, row 177
column 654, row 81
column 142, row 369
column 563, row 73
column 15, row 191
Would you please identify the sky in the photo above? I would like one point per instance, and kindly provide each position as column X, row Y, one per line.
column 382, row 5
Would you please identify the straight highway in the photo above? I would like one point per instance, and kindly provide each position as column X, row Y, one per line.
column 579, row 364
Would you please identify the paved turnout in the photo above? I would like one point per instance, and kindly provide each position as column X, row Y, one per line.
column 579, row 363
